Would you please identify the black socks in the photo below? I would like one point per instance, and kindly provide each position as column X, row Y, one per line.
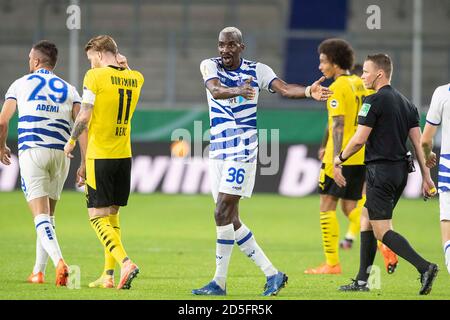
column 367, row 254
column 397, row 243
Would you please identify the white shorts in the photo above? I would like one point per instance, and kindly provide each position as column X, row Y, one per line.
column 231, row 177
column 43, row 172
column 444, row 205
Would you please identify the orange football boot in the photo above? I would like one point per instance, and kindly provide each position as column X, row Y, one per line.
column 128, row 272
column 325, row 269
column 36, row 278
column 390, row 258
column 62, row 273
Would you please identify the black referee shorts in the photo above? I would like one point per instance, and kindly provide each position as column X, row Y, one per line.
column 108, row 182
column 354, row 175
column 385, row 184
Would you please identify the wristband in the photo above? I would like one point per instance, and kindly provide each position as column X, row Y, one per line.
column 72, row 142
column 341, row 158
column 308, row 92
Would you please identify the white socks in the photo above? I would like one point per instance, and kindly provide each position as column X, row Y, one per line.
column 447, row 254
column 247, row 243
column 47, row 240
column 41, row 254
column 224, row 247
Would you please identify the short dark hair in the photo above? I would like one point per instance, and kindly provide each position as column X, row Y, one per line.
column 357, row 69
column 49, row 50
column 102, row 43
column 383, row 61
column 338, row 51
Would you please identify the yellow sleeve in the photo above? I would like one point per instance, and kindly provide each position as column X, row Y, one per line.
column 142, row 78
column 335, row 103
column 89, row 82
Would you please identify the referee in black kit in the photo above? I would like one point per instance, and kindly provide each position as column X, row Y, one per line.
column 385, row 122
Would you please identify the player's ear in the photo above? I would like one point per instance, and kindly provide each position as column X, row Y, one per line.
column 242, row 46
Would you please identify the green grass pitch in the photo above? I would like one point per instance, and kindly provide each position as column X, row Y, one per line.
column 172, row 239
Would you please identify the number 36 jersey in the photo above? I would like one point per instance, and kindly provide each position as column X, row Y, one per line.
column 114, row 93
column 45, row 104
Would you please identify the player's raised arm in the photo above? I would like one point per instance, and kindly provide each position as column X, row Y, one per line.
column 122, row 61
column 295, row 91
column 8, row 110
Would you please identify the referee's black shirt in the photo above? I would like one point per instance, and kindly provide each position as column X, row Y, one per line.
column 391, row 116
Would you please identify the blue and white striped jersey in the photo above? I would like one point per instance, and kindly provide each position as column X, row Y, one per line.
column 45, row 104
column 233, row 121
column 439, row 114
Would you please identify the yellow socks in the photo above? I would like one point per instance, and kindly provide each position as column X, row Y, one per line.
column 330, row 236
column 109, row 238
column 110, row 262
column 354, row 217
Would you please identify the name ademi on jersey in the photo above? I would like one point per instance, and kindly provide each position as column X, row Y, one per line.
column 233, row 121
column 439, row 114
column 45, row 104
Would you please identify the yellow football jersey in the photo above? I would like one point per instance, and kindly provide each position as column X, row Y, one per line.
column 346, row 100
column 116, row 93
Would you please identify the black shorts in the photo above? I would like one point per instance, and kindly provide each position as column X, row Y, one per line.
column 107, row 182
column 385, row 184
column 354, row 175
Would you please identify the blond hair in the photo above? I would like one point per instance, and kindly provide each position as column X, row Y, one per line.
column 102, row 43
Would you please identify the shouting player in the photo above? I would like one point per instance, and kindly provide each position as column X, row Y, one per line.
column 232, row 87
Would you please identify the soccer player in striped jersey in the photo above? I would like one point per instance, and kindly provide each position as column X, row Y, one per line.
column 47, row 106
column 233, row 85
column 111, row 92
column 439, row 115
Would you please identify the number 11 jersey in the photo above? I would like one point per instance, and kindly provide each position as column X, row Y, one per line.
column 114, row 93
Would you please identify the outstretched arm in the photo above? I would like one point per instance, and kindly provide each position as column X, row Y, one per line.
column 295, row 91
column 8, row 110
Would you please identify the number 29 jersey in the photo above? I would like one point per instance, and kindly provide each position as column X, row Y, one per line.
column 44, row 103
column 114, row 93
